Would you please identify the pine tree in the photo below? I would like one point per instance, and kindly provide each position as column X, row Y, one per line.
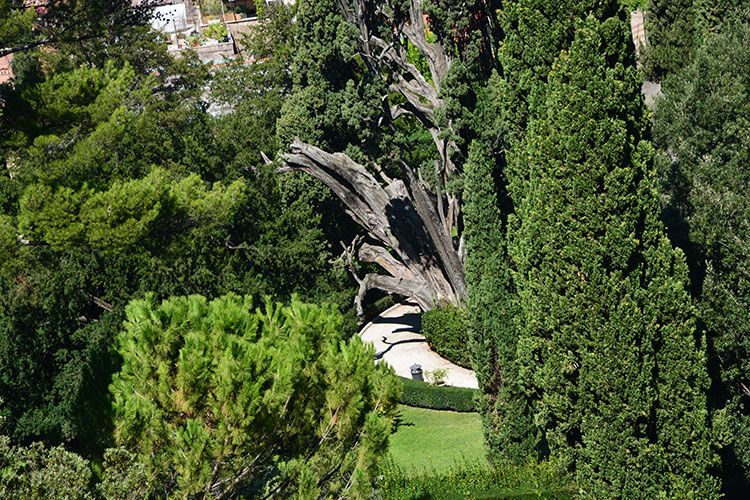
column 607, row 343
column 217, row 398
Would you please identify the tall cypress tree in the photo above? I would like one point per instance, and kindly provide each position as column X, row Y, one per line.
column 507, row 419
column 607, row 339
column 670, row 31
column 534, row 33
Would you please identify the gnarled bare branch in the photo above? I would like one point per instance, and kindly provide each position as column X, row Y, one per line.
column 401, row 216
column 415, row 289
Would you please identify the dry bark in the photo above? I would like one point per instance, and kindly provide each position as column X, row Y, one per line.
column 422, row 263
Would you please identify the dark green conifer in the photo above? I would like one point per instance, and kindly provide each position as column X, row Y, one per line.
column 509, row 430
column 670, row 33
column 700, row 132
column 607, row 345
column 534, row 33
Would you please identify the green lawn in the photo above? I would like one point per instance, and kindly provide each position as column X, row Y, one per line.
column 439, row 455
column 439, row 439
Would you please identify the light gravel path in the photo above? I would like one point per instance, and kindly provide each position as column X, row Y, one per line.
column 395, row 335
column 638, row 30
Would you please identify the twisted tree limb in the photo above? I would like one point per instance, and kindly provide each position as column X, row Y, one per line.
column 422, row 263
column 387, row 59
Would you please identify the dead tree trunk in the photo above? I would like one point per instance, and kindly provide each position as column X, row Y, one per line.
column 414, row 227
column 422, row 262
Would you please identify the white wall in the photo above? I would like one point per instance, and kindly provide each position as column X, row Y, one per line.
column 169, row 18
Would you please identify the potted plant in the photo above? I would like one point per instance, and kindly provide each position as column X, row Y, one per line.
column 238, row 12
column 216, row 31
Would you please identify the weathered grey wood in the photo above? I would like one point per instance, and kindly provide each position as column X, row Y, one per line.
column 415, row 289
column 422, row 262
column 386, row 59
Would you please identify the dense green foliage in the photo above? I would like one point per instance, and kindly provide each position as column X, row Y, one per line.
column 127, row 174
column 215, row 397
column 53, row 363
column 711, row 16
column 675, row 29
column 586, row 258
column 509, row 429
column 444, row 327
column 670, row 32
column 534, row 34
column 608, row 345
column 424, row 395
column 38, row 472
column 120, row 183
column 35, row 471
column 704, row 155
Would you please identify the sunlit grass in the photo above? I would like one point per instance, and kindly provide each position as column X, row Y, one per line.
column 439, row 455
column 436, row 439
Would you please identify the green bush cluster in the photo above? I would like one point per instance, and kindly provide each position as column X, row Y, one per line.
column 424, row 395
column 215, row 31
column 444, row 327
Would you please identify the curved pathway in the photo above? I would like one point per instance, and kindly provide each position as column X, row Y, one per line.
column 397, row 341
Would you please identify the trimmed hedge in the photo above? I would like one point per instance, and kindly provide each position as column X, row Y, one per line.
column 424, row 395
column 444, row 327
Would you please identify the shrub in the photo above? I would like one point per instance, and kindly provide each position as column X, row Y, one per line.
column 436, row 376
column 424, row 395
column 36, row 471
column 215, row 31
column 444, row 327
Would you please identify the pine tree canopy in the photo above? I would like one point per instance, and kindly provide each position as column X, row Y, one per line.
column 217, row 397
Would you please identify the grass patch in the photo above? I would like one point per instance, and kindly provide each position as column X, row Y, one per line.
column 436, row 439
column 439, row 455
column 475, row 481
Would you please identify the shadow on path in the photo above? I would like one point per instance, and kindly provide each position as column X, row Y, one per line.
column 412, row 320
column 391, row 345
column 400, row 324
